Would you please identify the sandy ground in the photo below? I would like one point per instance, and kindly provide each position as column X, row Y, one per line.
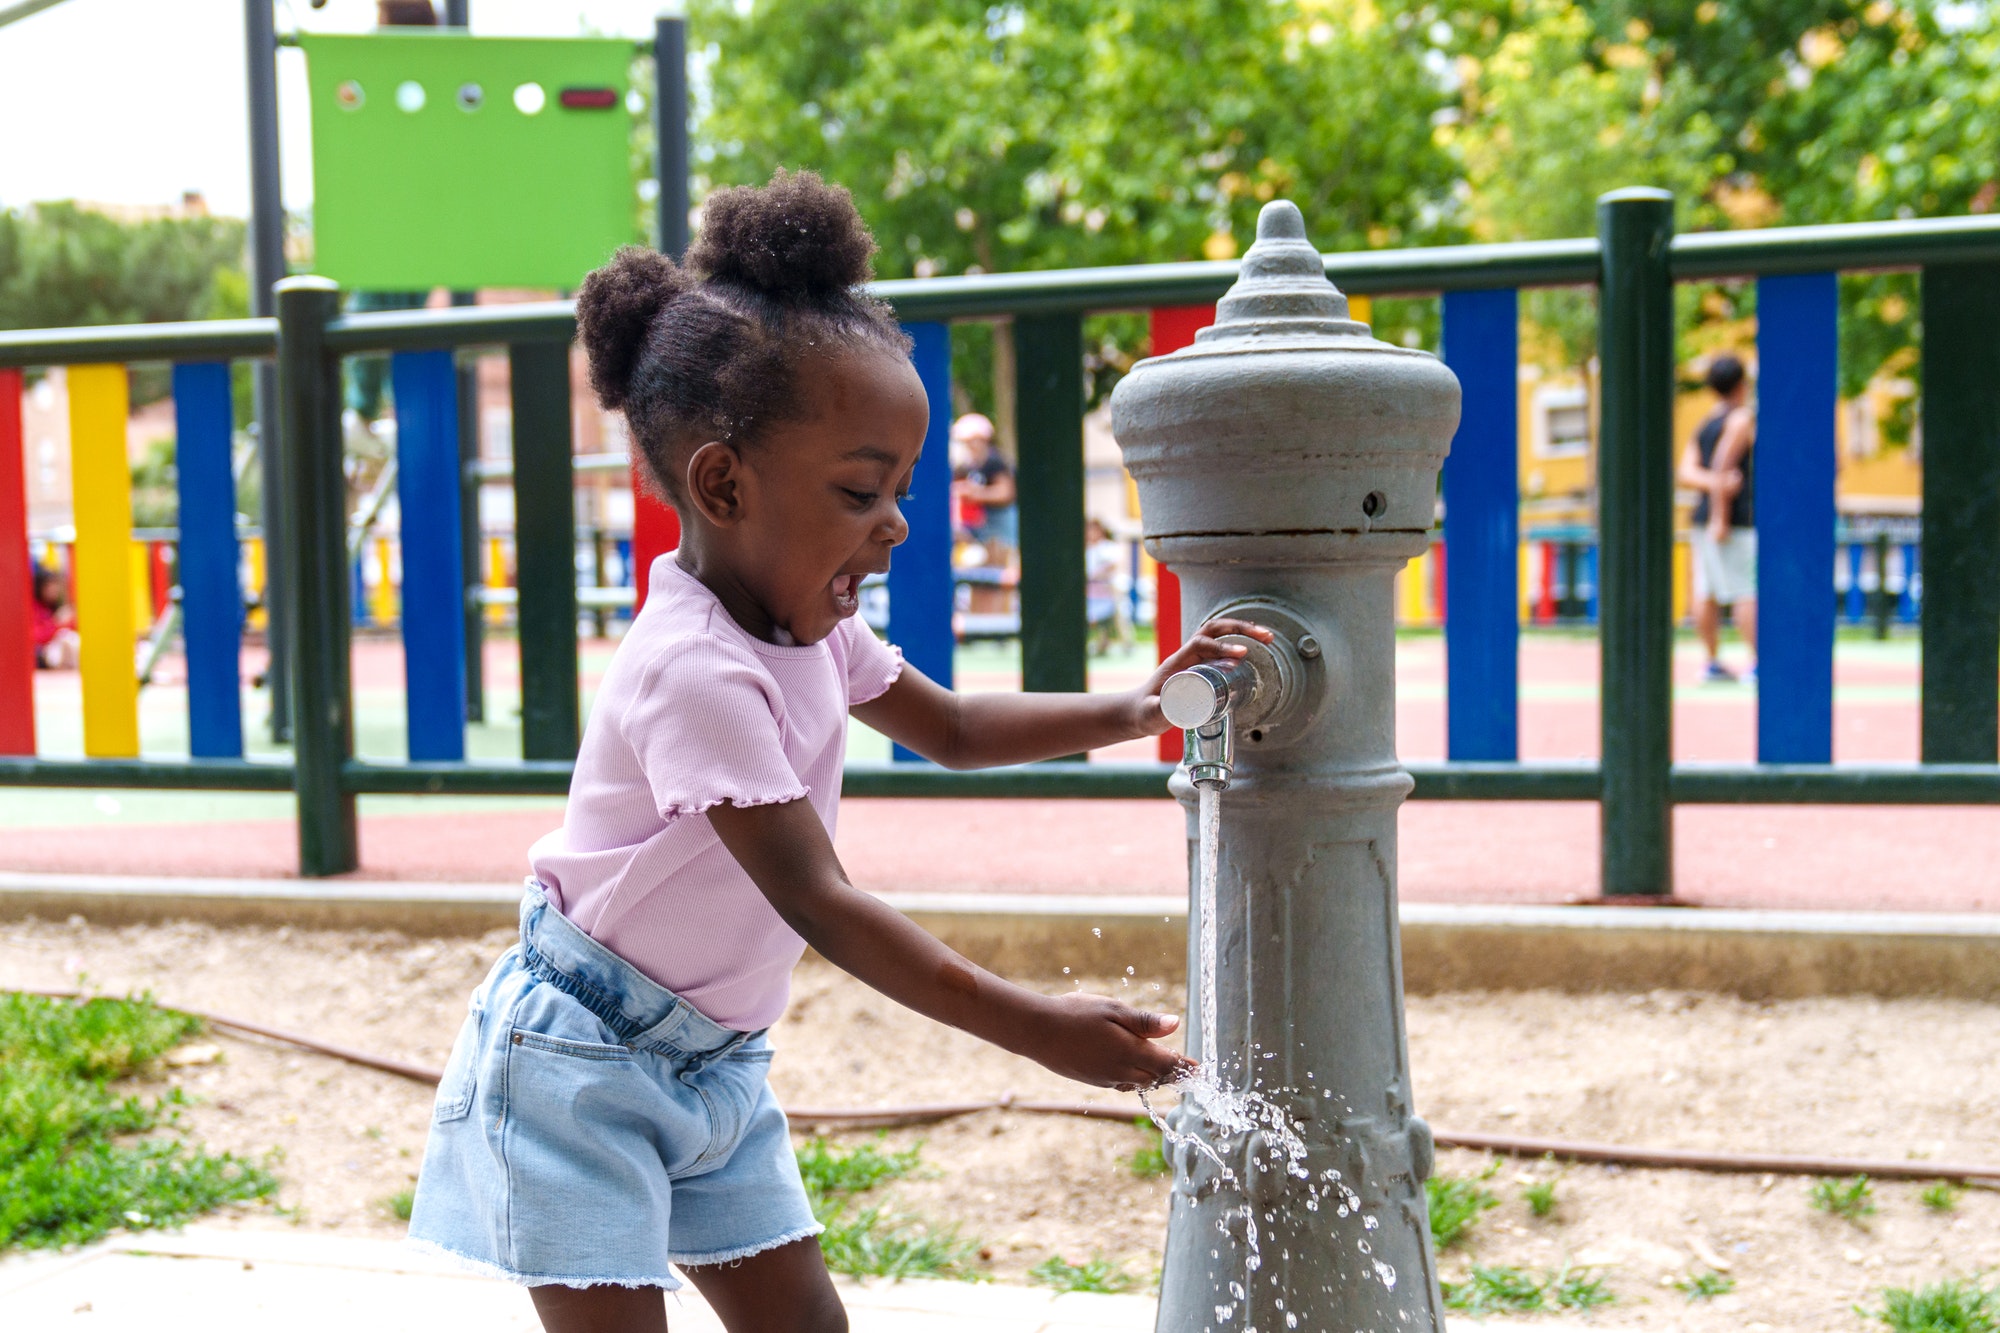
column 1889, row 1079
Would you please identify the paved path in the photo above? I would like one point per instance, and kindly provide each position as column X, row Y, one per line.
column 1853, row 858
column 210, row 1279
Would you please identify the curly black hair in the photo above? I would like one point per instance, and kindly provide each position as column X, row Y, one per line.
column 710, row 349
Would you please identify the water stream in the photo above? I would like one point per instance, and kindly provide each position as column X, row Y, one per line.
column 1234, row 1114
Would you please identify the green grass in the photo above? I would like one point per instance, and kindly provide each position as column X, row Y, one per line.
column 1942, row 1307
column 1097, row 1274
column 1704, row 1284
column 1941, row 1197
column 73, row 1162
column 873, row 1242
column 1541, row 1197
column 1149, row 1160
column 1455, row 1203
column 1851, row 1199
column 1503, row 1289
column 400, row 1203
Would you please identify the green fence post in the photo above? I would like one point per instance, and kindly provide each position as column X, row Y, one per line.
column 1049, row 410
column 316, row 574
column 1961, row 541
column 545, row 548
column 1636, row 539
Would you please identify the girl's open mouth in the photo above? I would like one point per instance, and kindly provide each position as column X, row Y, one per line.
column 847, row 593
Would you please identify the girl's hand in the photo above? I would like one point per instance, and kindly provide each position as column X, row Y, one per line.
column 1201, row 648
column 1097, row 1040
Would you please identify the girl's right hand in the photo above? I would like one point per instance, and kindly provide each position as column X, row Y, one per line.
column 1098, row 1040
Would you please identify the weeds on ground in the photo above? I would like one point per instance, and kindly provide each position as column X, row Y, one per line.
column 1541, row 1197
column 1097, row 1274
column 1503, row 1289
column 1455, row 1203
column 399, row 1204
column 71, row 1168
column 1942, row 1307
column 1704, row 1284
column 1941, row 1197
column 1150, row 1160
column 1852, row 1199
column 871, row 1242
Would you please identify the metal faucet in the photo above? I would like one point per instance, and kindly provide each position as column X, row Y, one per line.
column 1199, row 700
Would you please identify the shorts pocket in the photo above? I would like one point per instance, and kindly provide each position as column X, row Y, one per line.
column 461, row 1071
column 581, row 1050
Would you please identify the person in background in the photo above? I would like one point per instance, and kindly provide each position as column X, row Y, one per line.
column 56, row 642
column 1107, row 580
column 989, row 483
column 1717, row 463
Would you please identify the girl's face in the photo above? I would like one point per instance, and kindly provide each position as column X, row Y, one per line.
column 802, row 515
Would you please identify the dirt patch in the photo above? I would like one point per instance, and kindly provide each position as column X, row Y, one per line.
column 1858, row 1077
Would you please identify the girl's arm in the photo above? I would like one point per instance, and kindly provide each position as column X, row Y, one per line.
column 984, row 730
column 1091, row 1038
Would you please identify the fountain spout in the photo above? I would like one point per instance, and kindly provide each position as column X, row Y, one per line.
column 1198, row 701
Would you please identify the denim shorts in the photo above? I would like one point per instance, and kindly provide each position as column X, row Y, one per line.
column 593, row 1127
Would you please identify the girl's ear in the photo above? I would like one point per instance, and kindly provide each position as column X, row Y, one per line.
column 715, row 483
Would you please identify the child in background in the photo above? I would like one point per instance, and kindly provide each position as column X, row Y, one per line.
column 605, row 1110
column 57, row 647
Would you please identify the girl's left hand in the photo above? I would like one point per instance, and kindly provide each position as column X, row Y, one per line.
column 1203, row 647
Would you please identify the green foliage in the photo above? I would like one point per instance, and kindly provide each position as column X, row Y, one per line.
column 1852, row 1199
column 70, row 1168
column 400, row 1204
column 1943, row 1307
column 1150, row 1159
column 1096, row 1274
column 1941, row 1197
column 1704, row 1284
column 1541, row 1197
column 871, row 1242
column 1503, row 1289
column 1454, row 1204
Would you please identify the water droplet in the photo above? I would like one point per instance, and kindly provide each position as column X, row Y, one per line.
column 1097, row 932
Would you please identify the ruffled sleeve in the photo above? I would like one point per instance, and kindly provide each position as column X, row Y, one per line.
column 706, row 726
column 872, row 665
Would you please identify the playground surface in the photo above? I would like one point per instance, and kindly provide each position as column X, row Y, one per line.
column 1854, row 858
column 1896, row 1079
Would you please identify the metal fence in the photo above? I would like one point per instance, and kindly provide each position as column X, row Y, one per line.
column 1633, row 262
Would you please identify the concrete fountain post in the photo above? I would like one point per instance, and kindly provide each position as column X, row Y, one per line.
column 1287, row 467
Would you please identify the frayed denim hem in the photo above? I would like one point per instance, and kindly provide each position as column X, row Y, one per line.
column 486, row 1268
column 748, row 1251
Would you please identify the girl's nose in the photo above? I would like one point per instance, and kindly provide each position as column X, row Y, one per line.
column 896, row 529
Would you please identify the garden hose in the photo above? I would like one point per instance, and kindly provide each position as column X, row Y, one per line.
column 924, row 1113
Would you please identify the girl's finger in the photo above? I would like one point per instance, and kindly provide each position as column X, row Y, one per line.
column 1249, row 628
column 1146, row 1024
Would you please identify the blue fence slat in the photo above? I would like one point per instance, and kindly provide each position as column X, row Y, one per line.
column 1482, row 528
column 1798, row 344
column 427, row 496
column 211, row 594
column 920, row 582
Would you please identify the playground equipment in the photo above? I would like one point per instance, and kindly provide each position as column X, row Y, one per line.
column 1635, row 782
column 1287, row 465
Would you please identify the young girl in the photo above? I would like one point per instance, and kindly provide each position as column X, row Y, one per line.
column 605, row 1111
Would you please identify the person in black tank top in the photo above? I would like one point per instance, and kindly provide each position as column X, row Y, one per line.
column 1717, row 463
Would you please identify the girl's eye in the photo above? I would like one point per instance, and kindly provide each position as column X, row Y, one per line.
column 862, row 498
column 902, row 497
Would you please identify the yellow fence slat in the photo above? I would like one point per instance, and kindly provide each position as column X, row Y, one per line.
column 255, row 574
column 382, row 596
column 101, row 480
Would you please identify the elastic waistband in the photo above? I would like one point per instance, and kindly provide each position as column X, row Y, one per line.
column 638, row 1009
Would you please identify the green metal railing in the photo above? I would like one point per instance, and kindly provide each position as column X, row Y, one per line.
column 1634, row 262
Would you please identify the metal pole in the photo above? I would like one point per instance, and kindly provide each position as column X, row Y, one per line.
column 315, row 505
column 670, row 126
column 457, row 14
column 1636, row 539
column 267, row 266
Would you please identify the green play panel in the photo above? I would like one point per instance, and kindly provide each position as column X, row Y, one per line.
column 445, row 160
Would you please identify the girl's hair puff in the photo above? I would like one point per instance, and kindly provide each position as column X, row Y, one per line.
column 711, row 349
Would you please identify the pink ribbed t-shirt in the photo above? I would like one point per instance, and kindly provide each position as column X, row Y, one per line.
column 694, row 712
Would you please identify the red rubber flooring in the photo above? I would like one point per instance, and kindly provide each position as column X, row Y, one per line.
column 1928, row 859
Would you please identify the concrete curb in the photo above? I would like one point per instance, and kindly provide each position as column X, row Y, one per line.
column 1446, row 947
